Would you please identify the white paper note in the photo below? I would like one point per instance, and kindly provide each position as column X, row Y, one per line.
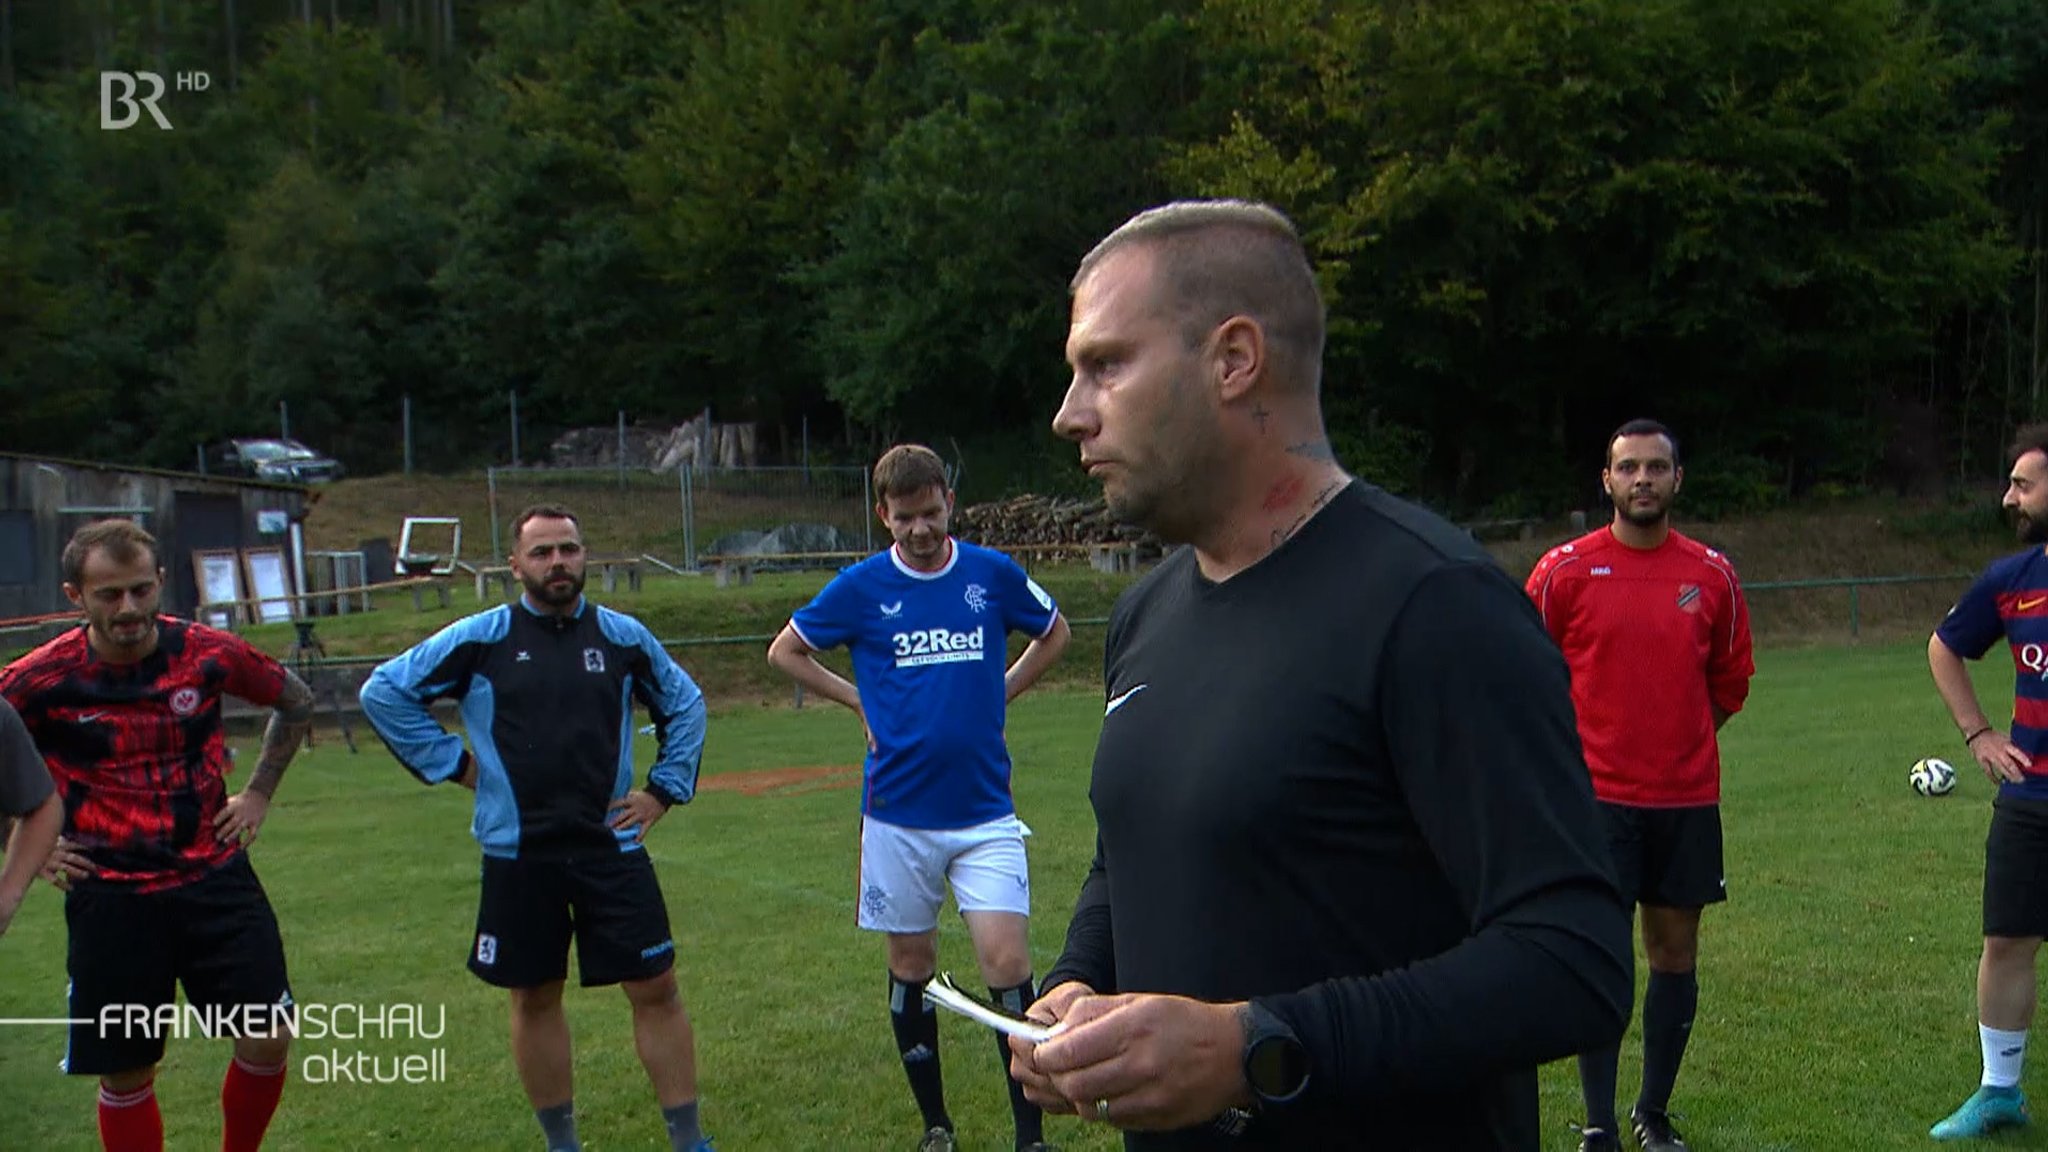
column 948, row 995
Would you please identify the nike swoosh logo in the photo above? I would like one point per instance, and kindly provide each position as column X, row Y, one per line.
column 1116, row 702
column 2034, row 603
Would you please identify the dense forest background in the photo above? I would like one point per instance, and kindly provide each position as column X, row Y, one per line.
column 1808, row 233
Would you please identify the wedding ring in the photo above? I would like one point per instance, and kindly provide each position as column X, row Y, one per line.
column 1102, row 1109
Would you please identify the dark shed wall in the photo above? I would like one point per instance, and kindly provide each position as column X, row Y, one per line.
column 42, row 501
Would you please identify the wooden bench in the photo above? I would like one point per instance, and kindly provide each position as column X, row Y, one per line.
column 439, row 585
column 608, row 569
column 739, row 569
column 489, row 574
column 1116, row 556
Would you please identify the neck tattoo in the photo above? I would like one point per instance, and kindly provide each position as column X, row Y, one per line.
column 1281, row 535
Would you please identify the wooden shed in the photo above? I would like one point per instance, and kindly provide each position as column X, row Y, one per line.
column 44, row 499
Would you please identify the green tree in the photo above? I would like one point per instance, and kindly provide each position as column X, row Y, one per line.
column 2000, row 354
column 1543, row 217
column 751, row 154
column 944, row 299
column 54, row 307
column 548, row 288
column 286, row 323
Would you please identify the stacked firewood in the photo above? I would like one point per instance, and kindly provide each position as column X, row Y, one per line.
column 1023, row 520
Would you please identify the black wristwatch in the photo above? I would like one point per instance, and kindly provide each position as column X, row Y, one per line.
column 1276, row 1063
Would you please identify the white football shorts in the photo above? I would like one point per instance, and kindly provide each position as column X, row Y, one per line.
column 904, row 872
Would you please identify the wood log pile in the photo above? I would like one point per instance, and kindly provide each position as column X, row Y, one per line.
column 691, row 444
column 1024, row 520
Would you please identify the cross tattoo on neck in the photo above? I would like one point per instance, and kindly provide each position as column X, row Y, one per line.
column 1260, row 416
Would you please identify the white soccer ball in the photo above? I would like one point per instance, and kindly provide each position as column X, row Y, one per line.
column 1932, row 777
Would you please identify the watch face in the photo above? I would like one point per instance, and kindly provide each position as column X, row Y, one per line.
column 1276, row 1068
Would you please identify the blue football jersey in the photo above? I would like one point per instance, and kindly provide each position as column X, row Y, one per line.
column 928, row 657
column 2010, row 600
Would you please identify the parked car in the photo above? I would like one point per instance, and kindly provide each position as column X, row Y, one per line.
column 286, row 461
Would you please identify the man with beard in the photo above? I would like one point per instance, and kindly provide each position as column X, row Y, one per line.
column 546, row 688
column 926, row 623
column 2009, row 600
column 154, row 860
column 1656, row 631
column 1348, row 890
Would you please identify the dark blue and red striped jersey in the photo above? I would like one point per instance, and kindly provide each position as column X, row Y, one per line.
column 2010, row 600
column 136, row 749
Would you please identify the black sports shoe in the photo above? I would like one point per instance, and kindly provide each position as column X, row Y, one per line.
column 1598, row 1140
column 1654, row 1131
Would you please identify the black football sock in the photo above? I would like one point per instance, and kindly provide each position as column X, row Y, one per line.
column 1669, row 1004
column 684, row 1133
column 1030, row 1121
column 558, row 1124
column 917, row 1041
column 1598, row 1070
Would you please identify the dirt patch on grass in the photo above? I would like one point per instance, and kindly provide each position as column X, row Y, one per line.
column 784, row 781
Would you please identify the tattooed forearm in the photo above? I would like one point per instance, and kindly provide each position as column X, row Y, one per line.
column 289, row 723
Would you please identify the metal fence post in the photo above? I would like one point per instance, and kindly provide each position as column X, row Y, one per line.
column 689, row 517
column 1855, row 610
column 491, row 480
column 867, row 501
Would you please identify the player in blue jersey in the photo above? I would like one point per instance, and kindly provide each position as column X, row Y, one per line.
column 2009, row 601
column 926, row 623
column 547, row 687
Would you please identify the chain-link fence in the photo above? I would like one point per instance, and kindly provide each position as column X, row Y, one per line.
column 778, row 511
column 623, row 511
column 680, row 517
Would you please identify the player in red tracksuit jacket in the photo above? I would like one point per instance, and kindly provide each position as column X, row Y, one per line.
column 1655, row 630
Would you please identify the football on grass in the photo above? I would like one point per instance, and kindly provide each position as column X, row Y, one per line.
column 1931, row 777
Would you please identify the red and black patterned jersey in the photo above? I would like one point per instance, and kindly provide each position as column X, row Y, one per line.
column 136, row 749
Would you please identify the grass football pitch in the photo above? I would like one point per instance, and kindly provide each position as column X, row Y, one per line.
column 1836, row 1007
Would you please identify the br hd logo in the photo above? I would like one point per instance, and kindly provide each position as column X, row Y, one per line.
column 118, row 90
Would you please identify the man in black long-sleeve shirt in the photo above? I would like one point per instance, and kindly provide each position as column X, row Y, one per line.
column 1350, row 888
